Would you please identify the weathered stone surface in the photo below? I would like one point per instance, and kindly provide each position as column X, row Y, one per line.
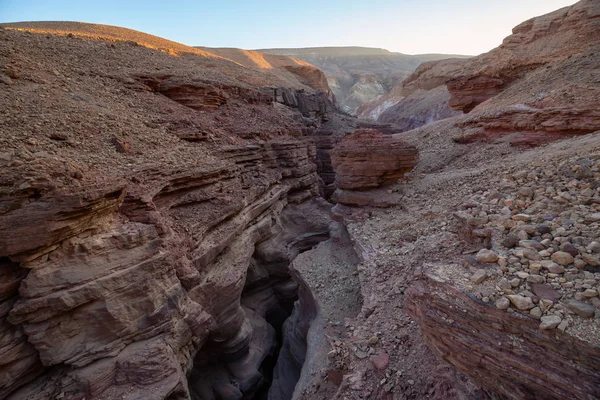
column 544, row 291
column 476, row 339
column 368, row 159
column 550, row 322
column 562, row 258
column 380, row 361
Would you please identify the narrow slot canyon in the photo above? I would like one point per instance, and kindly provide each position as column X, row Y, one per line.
column 265, row 358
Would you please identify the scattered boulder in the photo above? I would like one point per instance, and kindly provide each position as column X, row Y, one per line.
column 380, row 362
column 544, row 291
column 479, row 276
column 521, row 302
column 487, row 256
column 582, row 309
column 550, row 322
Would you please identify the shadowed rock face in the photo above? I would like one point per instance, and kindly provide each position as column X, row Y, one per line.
column 368, row 159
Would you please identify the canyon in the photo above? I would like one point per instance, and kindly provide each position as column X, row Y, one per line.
column 197, row 223
column 358, row 75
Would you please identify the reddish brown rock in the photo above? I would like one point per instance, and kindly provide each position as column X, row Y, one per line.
column 500, row 351
column 369, row 159
column 123, row 273
column 468, row 92
column 380, row 361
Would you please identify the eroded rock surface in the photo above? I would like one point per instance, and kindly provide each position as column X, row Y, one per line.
column 147, row 225
column 369, row 159
column 499, row 353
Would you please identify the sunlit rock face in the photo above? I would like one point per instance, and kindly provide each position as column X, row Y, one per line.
column 359, row 75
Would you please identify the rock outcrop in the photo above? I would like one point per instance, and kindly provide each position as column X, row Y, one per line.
column 499, row 353
column 522, row 90
column 368, row 159
column 423, row 93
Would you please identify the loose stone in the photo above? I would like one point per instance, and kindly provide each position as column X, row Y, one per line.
column 550, row 322
column 520, row 302
column 562, row 258
column 487, row 256
column 582, row 309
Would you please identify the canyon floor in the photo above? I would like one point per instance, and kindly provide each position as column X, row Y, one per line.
column 180, row 224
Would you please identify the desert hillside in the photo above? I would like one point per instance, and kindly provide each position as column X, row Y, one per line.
column 266, row 69
column 358, row 75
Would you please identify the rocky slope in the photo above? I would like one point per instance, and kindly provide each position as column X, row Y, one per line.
column 524, row 85
column 151, row 203
column 358, row 75
column 489, row 249
column 162, row 234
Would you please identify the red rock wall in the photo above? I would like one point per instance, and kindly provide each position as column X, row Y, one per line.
column 511, row 358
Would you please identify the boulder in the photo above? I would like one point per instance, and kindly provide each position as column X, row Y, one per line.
column 369, row 159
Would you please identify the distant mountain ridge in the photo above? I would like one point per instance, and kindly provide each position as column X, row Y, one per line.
column 356, row 74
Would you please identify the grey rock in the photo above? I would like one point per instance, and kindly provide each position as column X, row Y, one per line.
column 520, row 302
column 502, row 303
column 487, row 256
column 550, row 322
column 479, row 276
column 582, row 309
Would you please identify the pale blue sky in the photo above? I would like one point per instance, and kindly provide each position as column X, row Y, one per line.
column 407, row 26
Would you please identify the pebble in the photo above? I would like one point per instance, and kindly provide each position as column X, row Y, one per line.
column 487, row 256
column 510, row 241
column 544, row 291
column 589, row 260
column 562, row 258
column 380, row 361
column 479, row 276
column 550, row 322
column 536, row 279
column 502, row 303
column 525, row 192
column 5, row 79
column 536, row 312
column 569, row 248
column 531, row 254
column 594, row 247
column 563, row 325
column 582, row 309
column 595, row 217
column 521, row 302
column 521, row 217
column 554, row 268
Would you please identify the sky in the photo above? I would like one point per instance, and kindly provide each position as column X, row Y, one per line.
column 407, row 26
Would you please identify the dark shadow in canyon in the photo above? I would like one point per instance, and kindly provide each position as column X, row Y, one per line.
column 278, row 309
